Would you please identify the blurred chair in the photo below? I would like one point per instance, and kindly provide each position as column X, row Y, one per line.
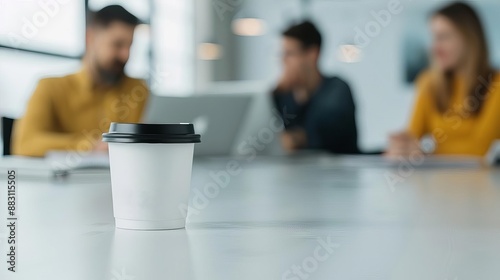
column 7, row 124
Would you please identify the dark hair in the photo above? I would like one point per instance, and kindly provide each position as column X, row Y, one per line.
column 306, row 32
column 478, row 65
column 110, row 14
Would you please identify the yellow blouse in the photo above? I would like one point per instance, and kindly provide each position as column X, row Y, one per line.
column 456, row 131
column 71, row 113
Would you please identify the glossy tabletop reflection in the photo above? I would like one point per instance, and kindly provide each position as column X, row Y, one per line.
column 303, row 217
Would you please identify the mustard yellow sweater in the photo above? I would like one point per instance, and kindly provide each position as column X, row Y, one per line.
column 71, row 113
column 457, row 131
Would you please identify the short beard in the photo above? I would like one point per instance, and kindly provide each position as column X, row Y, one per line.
column 108, row 76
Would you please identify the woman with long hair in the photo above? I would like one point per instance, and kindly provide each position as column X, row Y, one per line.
column 458, row 97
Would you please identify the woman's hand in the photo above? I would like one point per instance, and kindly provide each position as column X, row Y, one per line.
column 404, row 145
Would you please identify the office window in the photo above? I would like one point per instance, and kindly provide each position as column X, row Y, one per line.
column 51, row 26
column 173, row 47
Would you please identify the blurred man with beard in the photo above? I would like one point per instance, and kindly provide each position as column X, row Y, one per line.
column 70, row 113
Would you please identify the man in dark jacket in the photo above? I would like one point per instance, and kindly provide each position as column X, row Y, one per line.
column 323, row 107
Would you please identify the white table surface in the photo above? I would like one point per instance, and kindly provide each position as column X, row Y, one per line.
column 437, row 223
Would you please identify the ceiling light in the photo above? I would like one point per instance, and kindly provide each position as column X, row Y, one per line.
column 249, row 26
column 209, row 51
column 349, row 53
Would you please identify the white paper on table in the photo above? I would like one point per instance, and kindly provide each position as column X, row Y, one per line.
column 60, row 160
column 57, row 163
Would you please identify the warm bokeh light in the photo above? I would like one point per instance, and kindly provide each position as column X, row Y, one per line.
column 349, row 53
column 209, row 51
column 249, row 27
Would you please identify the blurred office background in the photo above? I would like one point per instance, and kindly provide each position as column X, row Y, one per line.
column 188, row 47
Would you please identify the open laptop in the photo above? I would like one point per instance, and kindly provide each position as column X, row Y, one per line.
column 217, row 117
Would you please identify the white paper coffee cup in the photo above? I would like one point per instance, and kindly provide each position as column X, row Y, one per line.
column 150, row 174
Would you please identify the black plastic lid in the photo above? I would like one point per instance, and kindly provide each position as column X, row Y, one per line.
column 151, row 133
